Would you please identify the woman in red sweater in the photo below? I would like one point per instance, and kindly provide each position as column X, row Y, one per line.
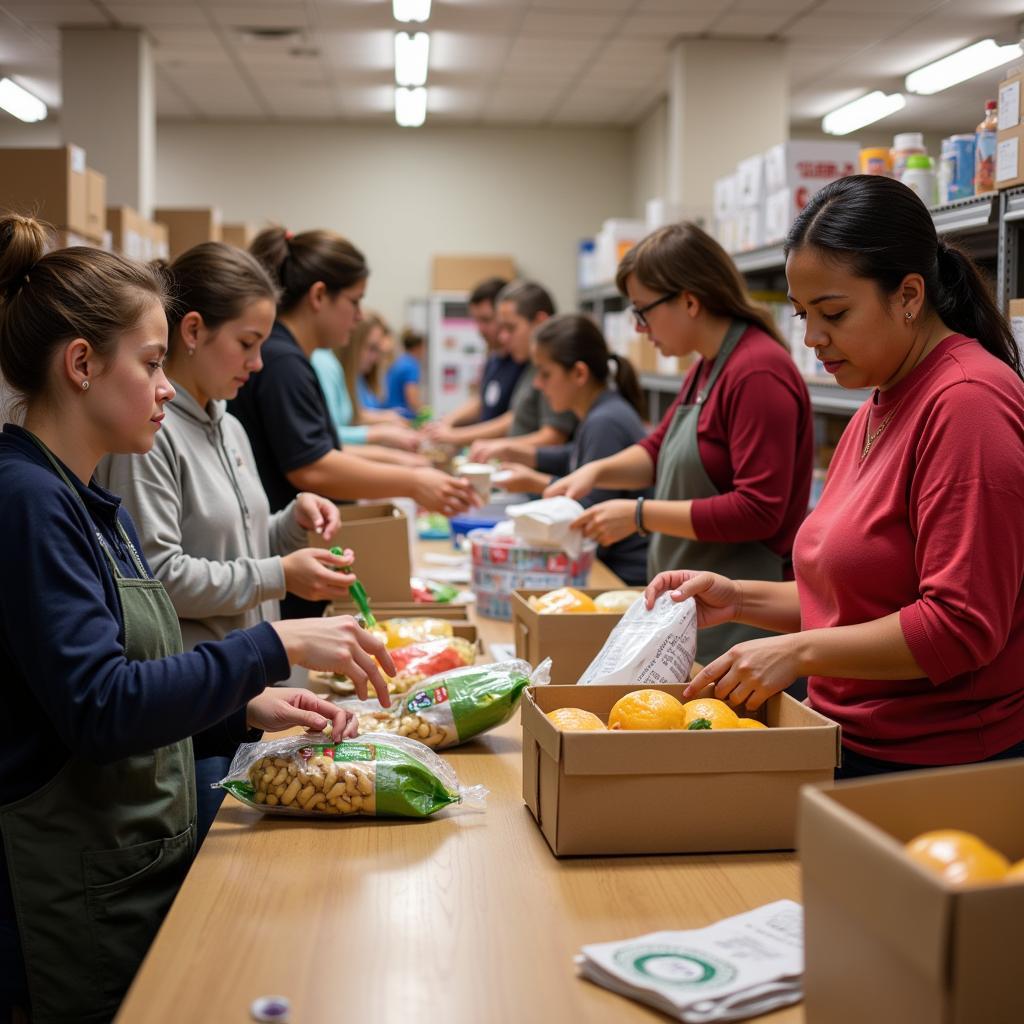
column 731, row 461
column 907, row 612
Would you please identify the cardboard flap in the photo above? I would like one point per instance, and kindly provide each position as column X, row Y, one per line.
column 538, row 727
column 844, row 856
column 358, row 513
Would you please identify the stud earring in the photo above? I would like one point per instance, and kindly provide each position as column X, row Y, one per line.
column 85, row 385
column 191, row 351
column 909, row 316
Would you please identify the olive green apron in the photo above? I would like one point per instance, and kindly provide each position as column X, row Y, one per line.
column 682, row 477
column 96, row 854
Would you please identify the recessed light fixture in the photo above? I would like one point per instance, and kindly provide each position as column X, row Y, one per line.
column 412, row 55
column 269, row 33
column 960, row 66
column 410, row 106
column 411, row 10
column 20, row 102
column 868, row 109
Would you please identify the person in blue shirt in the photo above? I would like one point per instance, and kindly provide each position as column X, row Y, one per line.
column 101, row 704
column 403, row 381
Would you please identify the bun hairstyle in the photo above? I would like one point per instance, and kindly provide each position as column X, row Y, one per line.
column 48, row 300
column 570, row 338
column 215, row 280
column 881, row 231
column 297, row 262
column 684, row 258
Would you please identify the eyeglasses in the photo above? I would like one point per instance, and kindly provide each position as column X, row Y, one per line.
column 640, row 312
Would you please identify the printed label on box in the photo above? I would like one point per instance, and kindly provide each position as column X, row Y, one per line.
column 1006, row 160
column 1009, row 105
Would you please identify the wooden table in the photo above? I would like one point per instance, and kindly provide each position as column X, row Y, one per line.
column 462, row 919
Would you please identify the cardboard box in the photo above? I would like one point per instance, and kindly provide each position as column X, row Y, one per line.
column 159, row 240
column 47, row 183
column 378, row 535
column 750, row 229
column 95, row 204
column 671, row 791
column 750, row 182
column 240, row 235
column 464, row 273
column 124, row 225
column 643, row 355
column 1009, row 102
column 68, row 239
column 805, row 166
column 189, row 227
column 725, row 198
column 780, row 210
column 727, row 232
column 889, row 942
column 406, row 610
column 1010, row 157
column 1017, row 321
column 570, row 641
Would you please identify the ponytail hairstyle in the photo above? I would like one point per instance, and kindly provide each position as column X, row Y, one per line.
column 215, row 280
column 48, row 300
column 297, row 262
column 881, row 230
column 570, row 338
column 684, row 258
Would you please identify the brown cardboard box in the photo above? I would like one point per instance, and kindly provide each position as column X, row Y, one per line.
column 125, row 227
column 887, row 941
column 464, row 273
column 379, row 537
column 1017, row 321
column 189, row 227
column 1010, row 157
column 95, row 203
column 406, row 610
column 67, row 239
column 240, row 235
column 158, row 239
column 643, row 355
column 570, row 641
column 669, row 791
column 47, row 183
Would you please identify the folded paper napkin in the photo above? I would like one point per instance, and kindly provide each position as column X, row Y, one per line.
column 547, row 524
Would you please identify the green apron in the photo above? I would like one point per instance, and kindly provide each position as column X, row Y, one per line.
column 96, row 855
column 682, row 477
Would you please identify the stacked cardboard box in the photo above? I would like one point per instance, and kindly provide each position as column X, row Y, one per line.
column 1009, row 154
column 189, row 227
column 133, row 236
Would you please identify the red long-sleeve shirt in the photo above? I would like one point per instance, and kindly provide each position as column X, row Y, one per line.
column 929, row 526
column 756, row 440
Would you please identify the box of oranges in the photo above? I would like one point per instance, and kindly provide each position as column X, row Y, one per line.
column 913, row 892
column 668, row 777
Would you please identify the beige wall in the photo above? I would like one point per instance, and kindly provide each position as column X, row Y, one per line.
column 403, row 195
column 650, row 156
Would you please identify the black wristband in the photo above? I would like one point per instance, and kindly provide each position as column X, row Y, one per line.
column 639, row 517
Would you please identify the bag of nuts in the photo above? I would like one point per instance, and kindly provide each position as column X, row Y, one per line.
column 390, row 776
column 455, row 706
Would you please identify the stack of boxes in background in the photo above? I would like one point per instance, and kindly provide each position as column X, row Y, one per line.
column 1009, row 158
column 133, row 236
column 189, row 227
column 617, row 236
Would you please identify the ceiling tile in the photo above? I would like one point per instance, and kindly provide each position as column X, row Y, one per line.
column 466, row 51
column 64, row 12
column 153, row 16
column 568, row 23
column 747, row 23
column 278, row 15
column 665, row 26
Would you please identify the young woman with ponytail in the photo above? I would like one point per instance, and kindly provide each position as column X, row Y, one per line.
column 731, row 461
column 573, row 370
column 321, row 279
column 206, row 526
column 907, row 613
column 97, row 787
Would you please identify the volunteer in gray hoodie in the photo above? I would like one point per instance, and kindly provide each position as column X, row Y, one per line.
column 196, row 497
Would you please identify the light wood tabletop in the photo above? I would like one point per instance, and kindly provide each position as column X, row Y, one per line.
column 465, row 918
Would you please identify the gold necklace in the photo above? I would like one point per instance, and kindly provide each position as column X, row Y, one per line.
column 871, row 438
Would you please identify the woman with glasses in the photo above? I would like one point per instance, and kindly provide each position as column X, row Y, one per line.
column 731, row 461
column 322, row 279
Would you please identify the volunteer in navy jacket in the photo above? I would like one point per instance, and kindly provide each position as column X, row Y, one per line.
column 97, row 797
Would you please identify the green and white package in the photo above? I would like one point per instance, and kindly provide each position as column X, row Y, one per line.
column 455, row 706
column 389, row 776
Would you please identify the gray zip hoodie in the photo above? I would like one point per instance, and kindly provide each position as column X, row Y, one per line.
column 205, row 521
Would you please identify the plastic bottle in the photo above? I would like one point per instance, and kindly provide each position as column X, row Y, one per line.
column 905, row 145
column 876, row 161
column 920, row 176
column 985, row 150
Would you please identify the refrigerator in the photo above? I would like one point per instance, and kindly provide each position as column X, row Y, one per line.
column 455, row 352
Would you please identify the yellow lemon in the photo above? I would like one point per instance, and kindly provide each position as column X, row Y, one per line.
column 647, row 709
column 749, row 723
column 1016, row 872
column 709, row 713
column 564, row 600
column 574, row 720
column 960, row 858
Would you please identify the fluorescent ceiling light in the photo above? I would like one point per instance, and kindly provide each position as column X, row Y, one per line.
column 410, row 107
column 412, row 54
column 868, row 109
column 20, row 102
column 959, row 66
column 411, row 10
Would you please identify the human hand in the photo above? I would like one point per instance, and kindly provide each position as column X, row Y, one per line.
column 750, row 672
column 520, row 479
column 439, row 492
column 608, row 521
column 574, row 485
column 283, row 707
column 314, row 574
column 718, row 598
column 316, row 514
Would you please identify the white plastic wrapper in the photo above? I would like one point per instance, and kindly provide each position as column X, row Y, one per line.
column 548, row 524
column 648, row 648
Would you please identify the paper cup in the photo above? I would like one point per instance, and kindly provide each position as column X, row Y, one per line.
column 479, row 476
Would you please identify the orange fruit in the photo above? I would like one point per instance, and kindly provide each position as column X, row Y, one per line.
column 574, row 720
column 750, row 723
column 647, row 709
column 1016, row 872
column 710, row 713
column 960, row 858
column 564, row 600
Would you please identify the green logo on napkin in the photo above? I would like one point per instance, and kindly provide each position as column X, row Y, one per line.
column 671, row 965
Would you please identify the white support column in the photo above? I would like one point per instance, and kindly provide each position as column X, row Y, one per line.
column 726, row 101
column 109, row 108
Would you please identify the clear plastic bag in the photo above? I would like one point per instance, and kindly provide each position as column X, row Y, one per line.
column 387, row 776
column 453, row 707
column 648, row 648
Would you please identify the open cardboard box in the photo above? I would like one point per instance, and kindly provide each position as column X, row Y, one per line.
column 888, row 941
column 570, row 641
column 378, row 535
column 405, row 610
column 670, row 791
